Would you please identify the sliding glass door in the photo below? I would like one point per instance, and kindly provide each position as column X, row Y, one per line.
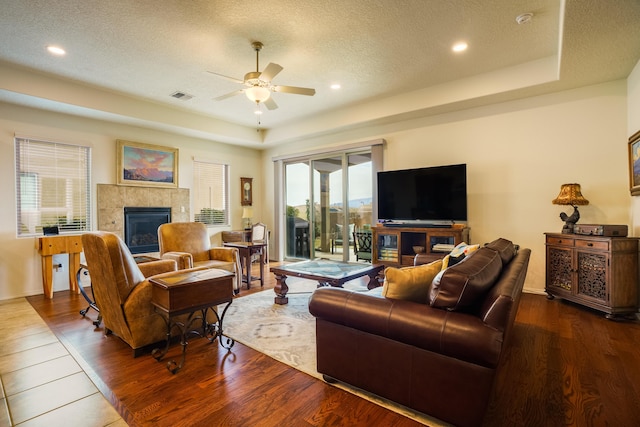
column 327, row 199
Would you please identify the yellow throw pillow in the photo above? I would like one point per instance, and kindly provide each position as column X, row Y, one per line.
column 410, row 283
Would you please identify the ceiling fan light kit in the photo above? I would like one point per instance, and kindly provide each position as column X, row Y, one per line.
column 258, row 84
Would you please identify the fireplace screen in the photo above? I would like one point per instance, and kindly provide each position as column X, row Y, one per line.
column 141, row 228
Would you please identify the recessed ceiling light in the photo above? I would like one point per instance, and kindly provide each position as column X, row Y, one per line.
column 56, row 50
column 335, row 86
column 460, row 47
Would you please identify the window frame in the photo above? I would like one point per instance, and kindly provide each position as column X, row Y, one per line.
column 206, row 213
column 62, row 161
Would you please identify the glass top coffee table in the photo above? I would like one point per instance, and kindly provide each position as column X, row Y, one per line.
column 326, row 272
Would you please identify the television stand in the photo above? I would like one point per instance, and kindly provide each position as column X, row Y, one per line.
column 396, row 245
column 416, row 225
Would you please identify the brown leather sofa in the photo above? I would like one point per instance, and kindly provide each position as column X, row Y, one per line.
column 439, row 357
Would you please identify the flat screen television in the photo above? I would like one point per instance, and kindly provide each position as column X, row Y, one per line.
column 432, row 195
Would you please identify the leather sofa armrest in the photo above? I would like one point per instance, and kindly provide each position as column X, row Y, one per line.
column 156, row 267
column 459, row 335
column 183, row 260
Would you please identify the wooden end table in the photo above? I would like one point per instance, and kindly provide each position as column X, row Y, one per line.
column 326, row 272
column 246, row 250
column 192, row 292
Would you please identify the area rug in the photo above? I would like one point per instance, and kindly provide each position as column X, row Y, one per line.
column 287, row 333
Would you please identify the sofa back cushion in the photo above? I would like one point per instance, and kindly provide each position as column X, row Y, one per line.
column 505, row 248
column 460, row 286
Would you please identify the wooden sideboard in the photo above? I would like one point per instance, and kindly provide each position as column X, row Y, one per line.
column 48, row 246
column 598, row 272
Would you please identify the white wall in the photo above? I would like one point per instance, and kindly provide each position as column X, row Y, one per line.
column 633, row 126
column 518, row 154
column 20, row 271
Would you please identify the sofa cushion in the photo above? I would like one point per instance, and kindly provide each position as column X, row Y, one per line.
column 460, row 286
column 459, row 253
column 505, row 248
column 410, row 283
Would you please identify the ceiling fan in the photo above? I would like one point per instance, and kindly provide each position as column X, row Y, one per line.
column 259, row 86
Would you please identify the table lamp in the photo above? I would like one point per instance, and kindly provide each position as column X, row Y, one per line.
column 570, row 195
column 247, row 213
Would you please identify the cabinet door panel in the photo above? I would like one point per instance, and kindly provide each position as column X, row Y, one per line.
column 592, row 275
column 559, row 268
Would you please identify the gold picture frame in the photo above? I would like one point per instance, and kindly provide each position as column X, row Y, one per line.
column 634, row 164
column 146, row 165
column 246, row 191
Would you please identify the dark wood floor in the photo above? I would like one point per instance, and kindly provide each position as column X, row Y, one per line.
column 565, row 365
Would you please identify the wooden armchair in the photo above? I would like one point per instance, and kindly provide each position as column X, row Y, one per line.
column 122, row 290
column 188, row 244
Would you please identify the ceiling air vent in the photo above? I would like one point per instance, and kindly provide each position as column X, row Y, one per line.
column 181, row 95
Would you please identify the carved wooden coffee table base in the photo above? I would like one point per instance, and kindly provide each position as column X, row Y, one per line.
column 326, row 273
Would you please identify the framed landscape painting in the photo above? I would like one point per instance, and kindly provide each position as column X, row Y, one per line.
column 634, row 164
column 147, row 165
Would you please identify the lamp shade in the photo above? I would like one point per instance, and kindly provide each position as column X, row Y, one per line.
column 247, row 213
column 570, row 194
column 257, row 93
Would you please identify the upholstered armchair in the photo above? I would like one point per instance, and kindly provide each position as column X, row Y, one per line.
column 122, row 289
column 188, row 244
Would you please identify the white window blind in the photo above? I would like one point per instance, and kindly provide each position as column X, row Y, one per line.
column 211, row 192
column 52, row 186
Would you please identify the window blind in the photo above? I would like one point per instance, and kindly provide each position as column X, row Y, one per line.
column 211, row 192
column 52, row 186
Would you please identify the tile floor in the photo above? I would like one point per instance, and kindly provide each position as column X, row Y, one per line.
column 40, row 382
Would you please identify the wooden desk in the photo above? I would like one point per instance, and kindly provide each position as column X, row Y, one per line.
column 48, row 246
column 246, row 249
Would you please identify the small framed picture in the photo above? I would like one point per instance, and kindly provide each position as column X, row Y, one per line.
column 634, row 164
column 246, row 186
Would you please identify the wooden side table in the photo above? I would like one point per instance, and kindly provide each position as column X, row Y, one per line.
column 246, row 249
column 192, row 292
column 48, row 246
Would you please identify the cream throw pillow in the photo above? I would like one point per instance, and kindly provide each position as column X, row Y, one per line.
column 410, row 283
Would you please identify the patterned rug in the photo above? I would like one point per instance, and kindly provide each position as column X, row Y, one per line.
column 287, row 333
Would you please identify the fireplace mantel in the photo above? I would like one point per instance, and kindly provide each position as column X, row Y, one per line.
column 112, row 199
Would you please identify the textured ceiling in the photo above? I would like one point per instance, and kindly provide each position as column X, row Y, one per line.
column 393, row 58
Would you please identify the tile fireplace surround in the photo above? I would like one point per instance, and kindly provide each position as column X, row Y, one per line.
column 112, row 199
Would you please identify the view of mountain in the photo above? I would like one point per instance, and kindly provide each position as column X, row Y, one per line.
column 149, row 174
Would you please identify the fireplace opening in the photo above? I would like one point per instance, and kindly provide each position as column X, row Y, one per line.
column 141, row 228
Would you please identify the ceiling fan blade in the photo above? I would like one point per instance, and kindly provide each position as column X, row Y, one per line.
column 270, row 103
column 229, row 95
column 295, row 90
column 270, row 71
column 233, row 79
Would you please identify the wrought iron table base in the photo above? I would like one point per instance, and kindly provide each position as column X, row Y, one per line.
column 211, row 331
column 84, row 271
